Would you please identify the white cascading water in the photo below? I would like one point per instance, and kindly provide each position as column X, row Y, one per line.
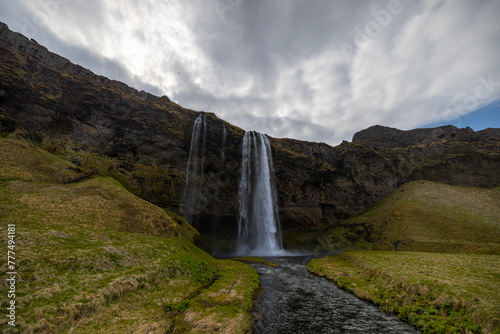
column 259, row 231
column 192, row 194
column 224, row 136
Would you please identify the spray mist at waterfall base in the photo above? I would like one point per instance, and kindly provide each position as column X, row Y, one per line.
column 267, row 253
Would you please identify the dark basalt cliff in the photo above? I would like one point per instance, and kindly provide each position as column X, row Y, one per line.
column 380, row 137
column 318, row 185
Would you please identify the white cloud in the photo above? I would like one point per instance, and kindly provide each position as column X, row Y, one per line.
column 436, row 57
column 278, row 66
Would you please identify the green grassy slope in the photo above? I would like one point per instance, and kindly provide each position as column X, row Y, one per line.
column 427, row 216
column 93, row 258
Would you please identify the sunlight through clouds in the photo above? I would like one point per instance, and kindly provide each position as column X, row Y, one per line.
column 312, row 70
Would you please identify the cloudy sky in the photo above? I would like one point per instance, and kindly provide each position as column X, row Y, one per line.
column 316, row 70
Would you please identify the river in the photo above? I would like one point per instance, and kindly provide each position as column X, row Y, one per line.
column 296, row 301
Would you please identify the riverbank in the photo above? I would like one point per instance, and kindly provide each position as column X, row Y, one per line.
column 436, row 292
column 293, row 300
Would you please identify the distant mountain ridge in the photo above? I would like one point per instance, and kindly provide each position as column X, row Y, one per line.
column 67, row 107
column 378, row 136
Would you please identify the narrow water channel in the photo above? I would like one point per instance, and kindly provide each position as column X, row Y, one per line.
column 296, row 301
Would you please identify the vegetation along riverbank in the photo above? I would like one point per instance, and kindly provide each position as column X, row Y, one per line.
column 437, row 292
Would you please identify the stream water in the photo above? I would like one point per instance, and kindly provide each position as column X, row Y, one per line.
column 296, row 301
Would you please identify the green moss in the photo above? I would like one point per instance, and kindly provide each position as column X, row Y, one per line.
column 251, row 259
column 301, row 240
column 179, row 307
column 255, row 259
column 184, row 228
column 271, row 264
column 188, row 264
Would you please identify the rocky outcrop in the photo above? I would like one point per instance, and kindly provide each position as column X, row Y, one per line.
column 335, row 183
column 379, row 136
column 318, row 184
column 47, row 94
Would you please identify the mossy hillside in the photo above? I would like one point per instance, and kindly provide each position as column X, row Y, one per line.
column 92, row 257
column 437, row 292
column 145, row 179
column 57, row 159
column 306, row 242
column 69, row 269
column 218, row 305
column 424, row 215
column 22, row 160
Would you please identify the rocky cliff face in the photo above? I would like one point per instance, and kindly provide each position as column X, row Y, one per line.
column 318, row 185
column 381, row 137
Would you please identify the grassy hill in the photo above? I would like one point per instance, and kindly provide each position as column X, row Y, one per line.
column 444, row 278
column 426, row 216
column 93, row 258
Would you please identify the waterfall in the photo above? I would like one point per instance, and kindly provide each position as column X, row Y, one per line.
column 224, row 136
column 192, row 194
column 259, row 230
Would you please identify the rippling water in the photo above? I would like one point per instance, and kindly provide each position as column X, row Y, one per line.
column 296, row 301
